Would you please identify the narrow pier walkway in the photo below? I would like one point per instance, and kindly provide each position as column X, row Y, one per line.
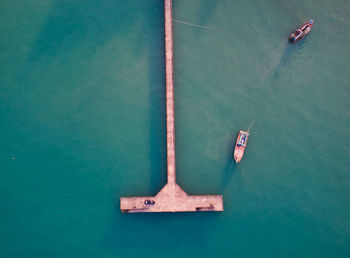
column 171, row 198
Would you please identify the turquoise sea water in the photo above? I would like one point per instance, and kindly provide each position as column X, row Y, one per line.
column 82, row 118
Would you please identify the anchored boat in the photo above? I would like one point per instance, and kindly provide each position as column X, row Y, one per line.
column 241, row 143
column 301, row 32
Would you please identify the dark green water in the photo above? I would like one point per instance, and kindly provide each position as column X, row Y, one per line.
column 82, row 118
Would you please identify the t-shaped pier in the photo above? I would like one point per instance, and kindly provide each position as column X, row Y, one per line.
column 171, row 198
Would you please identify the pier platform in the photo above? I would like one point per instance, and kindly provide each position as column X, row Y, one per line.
column 171, row 198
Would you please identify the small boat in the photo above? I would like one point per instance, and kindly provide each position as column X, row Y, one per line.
column 241, row 143
column 301, row 32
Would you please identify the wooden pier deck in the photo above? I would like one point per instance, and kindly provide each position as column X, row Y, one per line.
column 171, row 198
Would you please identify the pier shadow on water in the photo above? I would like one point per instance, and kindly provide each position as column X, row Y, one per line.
column 157, row 98
column 157, row 234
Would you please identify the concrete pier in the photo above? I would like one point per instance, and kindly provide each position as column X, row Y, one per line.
column 171, row 198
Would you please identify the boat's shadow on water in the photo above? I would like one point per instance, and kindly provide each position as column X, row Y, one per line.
column 228, row 172
column 289, row 53
column 231, row 166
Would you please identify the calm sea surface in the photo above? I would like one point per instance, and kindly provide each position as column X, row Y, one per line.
column 82, row 120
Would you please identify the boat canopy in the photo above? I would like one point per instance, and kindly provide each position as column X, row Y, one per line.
column 242, row 139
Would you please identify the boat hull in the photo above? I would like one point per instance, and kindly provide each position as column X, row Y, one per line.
column 301, row 32
column 239, row 147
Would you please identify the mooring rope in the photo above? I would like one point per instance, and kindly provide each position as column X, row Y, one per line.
column 195, row 25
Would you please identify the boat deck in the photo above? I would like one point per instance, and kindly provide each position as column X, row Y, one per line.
column 172, row 198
